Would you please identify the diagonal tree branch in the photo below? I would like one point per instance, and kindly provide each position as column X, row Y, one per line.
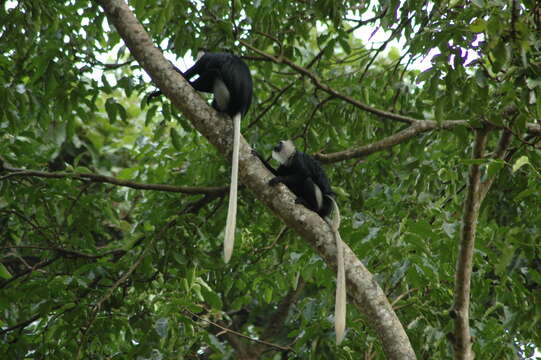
column 368, row 297
column 319, row 84
column 416, row 128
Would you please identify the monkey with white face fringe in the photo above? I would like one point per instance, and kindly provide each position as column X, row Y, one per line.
column 229, row 79
column 305, row 177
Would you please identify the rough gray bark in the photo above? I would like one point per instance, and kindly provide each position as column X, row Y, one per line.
column 462, row 343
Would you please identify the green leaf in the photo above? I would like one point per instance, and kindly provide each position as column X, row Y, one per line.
column 535, row 275
column 4, row 272
column 474, row 161
column 526, row 193
column 504, row 259
column 538, row 104
column 421, row 228
column 479, row 25
column 212, row 298
column 111, row 108
column 162, row 326
column 480, row 78
column 479, row 3
column 107, row 88
column 523, row 160
column 494, row 167
column 122, row 112
column 345, row 45
column 175, row 139
column 267, row 295
column 150, row 114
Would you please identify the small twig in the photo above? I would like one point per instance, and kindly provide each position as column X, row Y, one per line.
column 401, row 296
column 314, row 111
column 384, row 45
column 211, row 190
column 66, row 252
column 113, row 66
column 33, row 225
column 227, row 330
column 23, row 323
column 29, row 271
column 269, row 36
column 281, row 234
column 267, row 108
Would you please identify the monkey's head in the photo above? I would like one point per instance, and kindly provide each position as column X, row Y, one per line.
column 284, row 151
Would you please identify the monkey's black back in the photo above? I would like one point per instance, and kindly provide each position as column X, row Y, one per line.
column 232, row 71
column 305, row 169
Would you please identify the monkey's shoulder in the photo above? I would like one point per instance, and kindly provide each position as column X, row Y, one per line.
column 316, row 173
column 307, row 162
column 222, row 61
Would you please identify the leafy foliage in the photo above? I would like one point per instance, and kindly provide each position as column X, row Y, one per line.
column 96, row 270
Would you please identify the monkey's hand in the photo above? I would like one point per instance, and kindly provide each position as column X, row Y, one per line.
column 265, row 162
column 302, row 202
column 256, row 154
column 274, row 181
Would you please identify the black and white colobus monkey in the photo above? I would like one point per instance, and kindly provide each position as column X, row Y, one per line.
column 305, row 177
column 228, row 78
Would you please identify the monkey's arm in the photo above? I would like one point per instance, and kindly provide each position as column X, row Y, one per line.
column 288, row 180
column 265, row 162
column 157, row 93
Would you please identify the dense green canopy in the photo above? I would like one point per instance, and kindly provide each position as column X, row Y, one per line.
column 426, row 116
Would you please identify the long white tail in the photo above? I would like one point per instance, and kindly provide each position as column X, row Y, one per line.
column 340, row 299
column 229, row 239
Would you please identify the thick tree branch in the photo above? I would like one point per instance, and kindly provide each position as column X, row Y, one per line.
column 192, row 190
column 411, row 131
column 462, row 343
column 363, row 288
column 416, row 128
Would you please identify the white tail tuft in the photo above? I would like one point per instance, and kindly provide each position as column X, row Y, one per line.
column 229, row 239
column 340, row 299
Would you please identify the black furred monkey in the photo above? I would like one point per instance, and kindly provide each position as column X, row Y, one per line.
column 228, row 78
column 305, row 177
